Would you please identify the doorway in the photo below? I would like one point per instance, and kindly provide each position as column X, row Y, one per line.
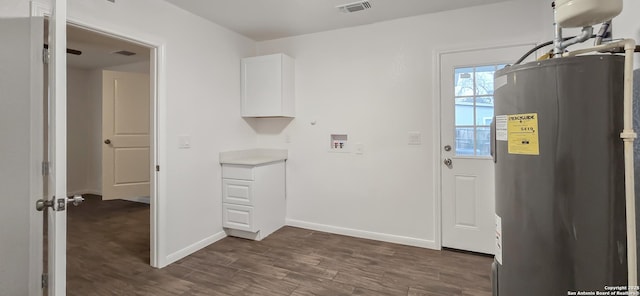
column 92, row 61
column 56, row 276
column 99, row 228
column 102, row 99
column 466, row 166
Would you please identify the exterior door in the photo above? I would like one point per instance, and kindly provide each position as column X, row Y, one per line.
column 126, row 159
column 468, row 188
column 22, row 151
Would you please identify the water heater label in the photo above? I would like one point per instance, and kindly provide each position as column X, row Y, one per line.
column 522, row 135
column 498, row 239
column 501, row 127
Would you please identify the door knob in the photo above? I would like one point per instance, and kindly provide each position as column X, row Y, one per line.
column 42, row 204
column 62, row 203
column 75, row 200
column 448, row 162
column 107, row 141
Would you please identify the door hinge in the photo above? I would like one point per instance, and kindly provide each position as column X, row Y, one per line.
column 45, row 280
column 45, row 56
column 45, row 168
column 157, row 168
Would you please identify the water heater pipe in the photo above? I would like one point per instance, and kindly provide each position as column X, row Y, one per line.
column 603, row 32
column 586, row 34
column 628, row 136
column 557, row 40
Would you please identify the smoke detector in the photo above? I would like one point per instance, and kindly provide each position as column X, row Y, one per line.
column 354, row 7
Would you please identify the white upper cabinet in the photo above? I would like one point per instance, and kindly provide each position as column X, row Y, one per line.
column 268, row 86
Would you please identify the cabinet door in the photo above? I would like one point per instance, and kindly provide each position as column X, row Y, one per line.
column 238, row 217
column 262, row 86
column 237, row 192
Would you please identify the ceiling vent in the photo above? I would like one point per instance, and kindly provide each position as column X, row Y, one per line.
column 354, row 7
column 124, row 53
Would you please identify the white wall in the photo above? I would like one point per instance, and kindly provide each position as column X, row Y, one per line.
column 83, row 133
column 627, row 25
column 77, row 129
column 94, row 168
column 202, row 100
column 376, row 83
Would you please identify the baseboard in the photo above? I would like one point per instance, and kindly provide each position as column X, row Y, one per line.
column 140, row 199
column 391, row 238
column 83, row 192
column 173, row 257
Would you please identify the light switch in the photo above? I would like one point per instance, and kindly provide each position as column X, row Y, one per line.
column 415, row 138
column 184, row 142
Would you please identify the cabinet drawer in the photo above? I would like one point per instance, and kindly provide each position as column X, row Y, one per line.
column 238, row 217
column 240, row 172
column 237, row 192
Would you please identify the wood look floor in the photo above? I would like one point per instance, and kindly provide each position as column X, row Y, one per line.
column 108, row 254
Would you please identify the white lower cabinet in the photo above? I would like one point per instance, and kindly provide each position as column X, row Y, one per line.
column 239, row 192
column 238, row 217
column 253, row 199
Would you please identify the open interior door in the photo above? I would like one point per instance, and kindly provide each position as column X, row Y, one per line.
column 126, row 158
column 21, row 155
column 57, row 119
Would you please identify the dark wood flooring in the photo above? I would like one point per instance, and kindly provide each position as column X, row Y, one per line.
column 108, row 254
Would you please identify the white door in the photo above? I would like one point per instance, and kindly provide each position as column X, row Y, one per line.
column 126, row 169
column 468, row 194
column 22, row 128
column 57, row 143
column 21, row 154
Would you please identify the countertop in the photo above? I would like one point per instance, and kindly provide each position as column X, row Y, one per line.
column 253, row 157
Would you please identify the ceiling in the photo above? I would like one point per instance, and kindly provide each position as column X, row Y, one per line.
column 272, row 19
column 97, row 49
column 259, row 20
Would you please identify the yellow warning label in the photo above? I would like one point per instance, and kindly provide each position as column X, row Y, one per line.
column 523, row 134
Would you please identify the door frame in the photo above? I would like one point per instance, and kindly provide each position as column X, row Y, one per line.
column 157, row 47
column 437, row 126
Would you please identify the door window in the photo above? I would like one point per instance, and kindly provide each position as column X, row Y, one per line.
column 473, row 95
